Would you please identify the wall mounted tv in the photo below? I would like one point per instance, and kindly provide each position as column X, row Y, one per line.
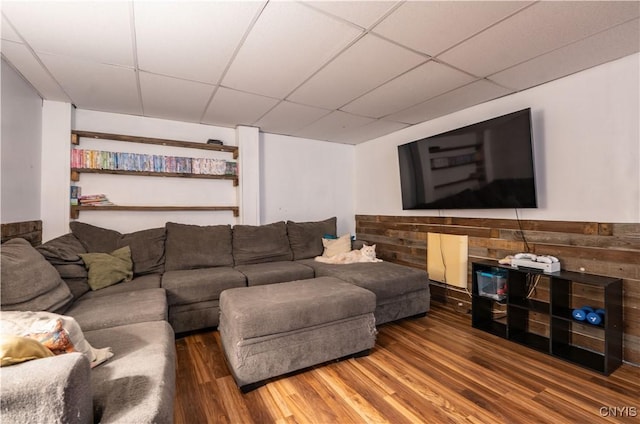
column 487, row 165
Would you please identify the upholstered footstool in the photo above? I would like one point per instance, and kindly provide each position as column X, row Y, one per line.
column 274, row 329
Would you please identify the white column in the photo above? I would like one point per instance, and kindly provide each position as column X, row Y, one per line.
column 56, row 144
column 248, row 141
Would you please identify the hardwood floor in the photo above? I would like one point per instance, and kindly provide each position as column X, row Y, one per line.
column 435, row 369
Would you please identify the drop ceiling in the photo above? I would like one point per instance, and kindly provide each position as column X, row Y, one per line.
column 340, row 71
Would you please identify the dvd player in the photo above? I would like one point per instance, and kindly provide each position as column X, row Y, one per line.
column 528, row 264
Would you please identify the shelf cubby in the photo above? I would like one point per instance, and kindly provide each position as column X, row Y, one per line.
column 548, row 326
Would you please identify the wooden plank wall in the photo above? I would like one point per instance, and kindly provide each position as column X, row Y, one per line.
column 28, row 230
column 611, row 249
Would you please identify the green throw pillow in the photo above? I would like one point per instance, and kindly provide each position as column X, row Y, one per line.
column 107, row 269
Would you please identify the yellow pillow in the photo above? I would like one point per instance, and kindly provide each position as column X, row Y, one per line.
column 17, row 349
column 333, row 247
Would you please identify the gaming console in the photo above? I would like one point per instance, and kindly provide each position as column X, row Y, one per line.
column 538, row 263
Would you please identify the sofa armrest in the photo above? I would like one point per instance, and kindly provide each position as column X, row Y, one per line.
column 56, row 389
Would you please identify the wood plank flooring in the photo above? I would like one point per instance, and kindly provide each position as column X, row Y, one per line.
column 435, row 369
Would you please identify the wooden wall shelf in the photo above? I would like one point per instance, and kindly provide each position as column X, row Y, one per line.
column 75, row 210
column 75, row 135
column 75, row 174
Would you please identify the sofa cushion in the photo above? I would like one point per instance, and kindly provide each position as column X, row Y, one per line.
column 387, row 280
column 78, row 286
column 275, row 272
column 63, row 250
column 107, row 269
column 28, row 281
column 142, row 282
column 196, row 246
column 137, row 385
column 306, row 237
column 199, row 285
column 117, row 309
column 147, row 250
column 261, row 243
column 279, row 308
column 147, row 246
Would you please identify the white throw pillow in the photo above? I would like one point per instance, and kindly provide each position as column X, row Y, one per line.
column 333, row 247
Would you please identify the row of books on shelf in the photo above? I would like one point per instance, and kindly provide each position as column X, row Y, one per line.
column 88, row 200
column 138, row 162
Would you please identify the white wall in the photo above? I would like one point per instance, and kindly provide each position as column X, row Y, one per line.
column 586, row 130
column 306, row 180
column 20, row 150
column 56, row 132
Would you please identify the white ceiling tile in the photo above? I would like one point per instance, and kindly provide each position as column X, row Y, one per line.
column 191, row 40
column 416, row 86
column 287, row 44
column 331, row 126
column 433, row 26
column 95, row 86
column 371, row 131
column 8, row 33
column 612, row 44
column 166, row 97
column 24, row 61
column 93, row 30
column 361, row 68
column 288, row 117
column 543, row 27
column 361, row 13
column 231, row 108
column 461, row 98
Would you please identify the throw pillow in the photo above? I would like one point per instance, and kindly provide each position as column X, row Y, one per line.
column 59, row 333
column 17, row 349
column 107, row 269
column 28, row 281
column 197, row 246
column 333, row 247
column 306, row 237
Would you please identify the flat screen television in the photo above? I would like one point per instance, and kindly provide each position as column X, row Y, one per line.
column 487, row 165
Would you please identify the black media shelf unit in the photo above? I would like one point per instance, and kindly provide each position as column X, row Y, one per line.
column 514, row 323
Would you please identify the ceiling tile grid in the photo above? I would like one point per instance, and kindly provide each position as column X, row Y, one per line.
column 347, row 71
column 200, row 37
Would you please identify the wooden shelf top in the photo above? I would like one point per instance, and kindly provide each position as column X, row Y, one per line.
column 75, row 210
column 75, row 174
column 76, row 134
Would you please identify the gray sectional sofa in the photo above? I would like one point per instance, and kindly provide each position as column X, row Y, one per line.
column 179, row 273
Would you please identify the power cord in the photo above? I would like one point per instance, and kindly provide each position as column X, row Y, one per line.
column 532, row 284
column 524, row 238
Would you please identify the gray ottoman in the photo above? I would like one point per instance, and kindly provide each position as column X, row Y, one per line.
column 274, row 329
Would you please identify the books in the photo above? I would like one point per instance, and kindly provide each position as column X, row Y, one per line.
column 97, row 159
column 75, row 193
column 94, row 200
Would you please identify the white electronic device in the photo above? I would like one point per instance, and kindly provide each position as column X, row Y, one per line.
column 545, row 263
